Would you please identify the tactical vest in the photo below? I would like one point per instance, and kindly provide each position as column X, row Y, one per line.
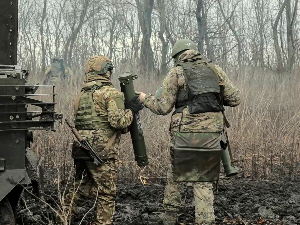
column 86, row 116
column 55, row 72
column 202, row 92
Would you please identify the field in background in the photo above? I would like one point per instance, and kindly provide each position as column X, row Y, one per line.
column 264, row 133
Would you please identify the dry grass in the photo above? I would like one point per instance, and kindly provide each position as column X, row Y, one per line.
column 264, row 132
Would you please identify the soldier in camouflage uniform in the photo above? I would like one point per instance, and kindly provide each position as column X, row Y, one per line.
column 100, row 118
column 57, row 72
column 210, row 123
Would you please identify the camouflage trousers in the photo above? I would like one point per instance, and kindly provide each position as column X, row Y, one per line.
column 97, row 183
column 203, row 201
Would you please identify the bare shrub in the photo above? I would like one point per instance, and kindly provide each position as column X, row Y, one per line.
column 263, row 134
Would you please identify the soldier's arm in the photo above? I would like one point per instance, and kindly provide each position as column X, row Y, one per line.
column 118, row 116
column 164, row 102
column 47, row 75
column 70, row 72
column 232, row 95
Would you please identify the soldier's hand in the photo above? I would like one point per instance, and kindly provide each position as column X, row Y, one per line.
column 134, row 105
column 142, row 96
column 125, row 130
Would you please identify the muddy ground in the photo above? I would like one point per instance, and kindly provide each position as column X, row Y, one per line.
column 238, row 201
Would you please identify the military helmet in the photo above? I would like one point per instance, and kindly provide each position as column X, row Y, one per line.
column 183, row 44
column 99, row 64
column 56, row 60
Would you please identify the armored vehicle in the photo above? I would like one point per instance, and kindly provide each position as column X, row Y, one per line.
column 21, row 110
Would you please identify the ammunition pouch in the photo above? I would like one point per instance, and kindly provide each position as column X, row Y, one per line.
column 196, row 157
column 202, row 92
column 79, row 153
column 207, row 102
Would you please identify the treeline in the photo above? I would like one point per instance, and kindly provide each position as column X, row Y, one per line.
column 232, row 33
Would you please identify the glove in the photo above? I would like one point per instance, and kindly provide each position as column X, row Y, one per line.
column 134, row 105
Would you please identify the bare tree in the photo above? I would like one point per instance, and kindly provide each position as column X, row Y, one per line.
column 144, row 15
column 161, row 33
column 290, row 19
column 42, row 36
column 75, row 29
column 201, row 21
column 229, row 32
column 233, row 30
column 260, row 13
column 275, row 36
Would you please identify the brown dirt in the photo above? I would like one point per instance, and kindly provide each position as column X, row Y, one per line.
column 238, row 201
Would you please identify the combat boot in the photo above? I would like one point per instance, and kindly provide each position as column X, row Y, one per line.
column 169, row 218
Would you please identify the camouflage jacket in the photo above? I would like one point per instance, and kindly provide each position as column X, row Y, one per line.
column 109, row 103
column 163, row 104
column 54, row 75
